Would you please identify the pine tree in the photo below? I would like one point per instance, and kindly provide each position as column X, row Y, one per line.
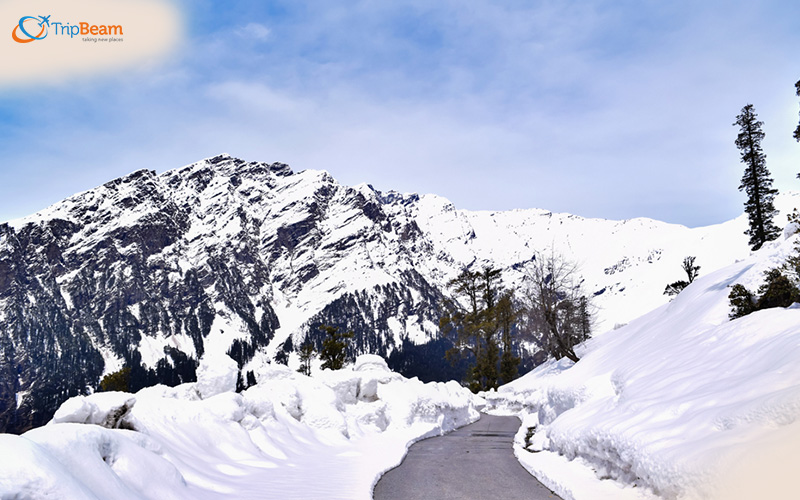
column 756, row 181
column 462, row 323
column 251, row 378
column 690, row 269
column 506, row 319
column 585, row 319
column 797, row 130
column 488, row 373
column 307, row 353
column 334, row 348
column 796, row 136
column 475, row 328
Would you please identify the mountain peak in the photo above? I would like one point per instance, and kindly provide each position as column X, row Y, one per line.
column 226, row 255
column 226, row 164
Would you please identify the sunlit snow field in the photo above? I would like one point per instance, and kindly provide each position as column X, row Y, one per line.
column 681, row 403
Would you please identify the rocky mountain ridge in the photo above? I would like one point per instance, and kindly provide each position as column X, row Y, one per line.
column 153, row 270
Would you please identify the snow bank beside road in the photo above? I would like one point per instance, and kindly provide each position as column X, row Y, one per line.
column 670, row 404
column 288, row 437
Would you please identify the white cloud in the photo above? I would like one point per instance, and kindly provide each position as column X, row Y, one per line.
column 556, row 106
column 254, row 31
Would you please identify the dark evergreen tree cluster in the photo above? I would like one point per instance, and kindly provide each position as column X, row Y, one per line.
column 334, row 348
column 119, row 380
column 778, row 290
column 756, row 181
column 483, row 330
column 245, row 382
column 424, row 361
column 174, row 369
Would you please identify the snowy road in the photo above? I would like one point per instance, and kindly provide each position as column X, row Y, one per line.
column 475, row 462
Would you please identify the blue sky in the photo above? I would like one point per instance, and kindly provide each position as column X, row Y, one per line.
column 612, row 109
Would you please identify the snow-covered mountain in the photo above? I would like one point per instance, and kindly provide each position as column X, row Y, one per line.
column 224, row 255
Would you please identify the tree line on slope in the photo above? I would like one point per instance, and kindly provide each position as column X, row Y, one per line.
column 488, row 323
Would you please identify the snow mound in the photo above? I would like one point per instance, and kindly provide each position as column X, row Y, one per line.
column 106, row 409
column 215, row 375
column 370, row 362
column 668, row 404
column 297, row 437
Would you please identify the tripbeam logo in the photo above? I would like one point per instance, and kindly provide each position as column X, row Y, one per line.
column 20, row 34
column 35, row 28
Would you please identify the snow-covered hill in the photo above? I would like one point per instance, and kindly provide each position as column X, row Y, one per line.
column 681, row 403
column 152, row 271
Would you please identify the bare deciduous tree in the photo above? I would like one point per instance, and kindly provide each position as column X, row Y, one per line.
column 558, row 313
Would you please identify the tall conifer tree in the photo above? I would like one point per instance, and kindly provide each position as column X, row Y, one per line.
column 756, row 181
column 797, row 130
column 506, row 319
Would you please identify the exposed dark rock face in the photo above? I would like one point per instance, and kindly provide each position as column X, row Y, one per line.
column 103, row 272
column 145, row 269
column 152, row 271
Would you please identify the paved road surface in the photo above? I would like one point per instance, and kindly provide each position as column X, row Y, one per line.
column 475, row 462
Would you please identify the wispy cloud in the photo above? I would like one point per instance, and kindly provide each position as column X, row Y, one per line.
column 253, row 31
column 596, row 108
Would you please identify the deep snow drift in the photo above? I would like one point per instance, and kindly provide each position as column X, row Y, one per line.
column 680, row 403
column 288, row 437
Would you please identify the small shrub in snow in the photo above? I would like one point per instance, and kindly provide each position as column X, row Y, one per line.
column 118, row 381
column 742, row 301
column 777, row 291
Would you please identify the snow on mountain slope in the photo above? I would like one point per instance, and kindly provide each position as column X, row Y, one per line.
column 224, row 255
column 625, row 264
column 288, row 437
column 674, row 404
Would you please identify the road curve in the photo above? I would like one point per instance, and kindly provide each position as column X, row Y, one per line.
column 475, row 462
